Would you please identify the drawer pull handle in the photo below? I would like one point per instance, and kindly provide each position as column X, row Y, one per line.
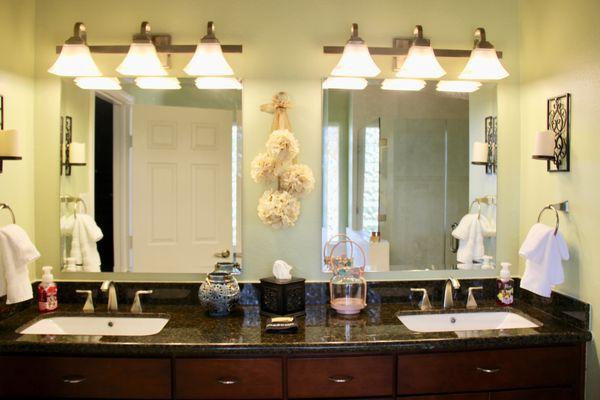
column 488, row 370
column 227, row 381
column 340, row 379
column 73, row 379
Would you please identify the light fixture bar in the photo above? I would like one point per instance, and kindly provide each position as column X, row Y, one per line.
column 172, row 49
column 401, row 50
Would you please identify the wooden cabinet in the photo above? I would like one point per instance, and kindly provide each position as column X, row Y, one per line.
column 333, row 377
column 82, row 377
column 538, row 373
column 214, row 378
column 479, row 371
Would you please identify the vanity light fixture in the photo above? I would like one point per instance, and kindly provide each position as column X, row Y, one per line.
column 356, row 61
column 458, row 86
column 157, row 82
column 142, row 58
column 483, row 63
column 98, row 83
column 75, row 58
column 403, row 84
column 420, row 63
column 10, row 148
column 208, row 60
column 340, row 82
column 213, row 82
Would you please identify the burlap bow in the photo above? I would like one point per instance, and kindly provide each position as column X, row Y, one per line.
column 278, row 106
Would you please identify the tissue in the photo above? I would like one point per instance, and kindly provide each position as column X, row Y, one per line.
column 282, row 270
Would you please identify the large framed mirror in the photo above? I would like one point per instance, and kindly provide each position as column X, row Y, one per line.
column 150, row 179
column 403, row 176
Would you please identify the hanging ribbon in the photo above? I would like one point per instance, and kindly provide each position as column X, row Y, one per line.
column 278, row 106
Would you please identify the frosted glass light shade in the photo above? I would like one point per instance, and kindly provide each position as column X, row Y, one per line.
column 75, row 60
column 77, row 153
column 479, row 155
column 98, row 83
column 141, row 60
column 356, row 61
column 420, row 63
column 208, row 60
column 484, row 65
column 10, row 145
column 218, row 83
column 458, row 86
column 337, row 82
column 544, row 146
column 153, row 82
column 403, row 84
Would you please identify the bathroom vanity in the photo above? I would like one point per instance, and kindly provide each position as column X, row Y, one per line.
column 372, row 355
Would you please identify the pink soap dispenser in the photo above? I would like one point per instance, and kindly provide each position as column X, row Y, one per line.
column 47, row 291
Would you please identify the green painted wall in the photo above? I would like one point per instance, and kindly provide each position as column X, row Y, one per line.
column 560, row 53
column 17, row 87
column 282, row 51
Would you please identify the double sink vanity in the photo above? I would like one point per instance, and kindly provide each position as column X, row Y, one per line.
column 392, row 349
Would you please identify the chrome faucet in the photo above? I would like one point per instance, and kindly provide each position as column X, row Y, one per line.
column 450, row 284
column 112, row 295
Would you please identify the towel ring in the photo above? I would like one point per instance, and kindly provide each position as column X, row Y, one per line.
column 12, row 214
column 550, row 207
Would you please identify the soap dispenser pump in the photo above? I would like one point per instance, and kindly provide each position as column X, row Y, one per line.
column 47, row 291
column 505, row 285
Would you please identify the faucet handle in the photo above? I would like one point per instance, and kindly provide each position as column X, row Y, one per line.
column 89, row 302
column 471, row 303
column 424, row 304
column 136, row 307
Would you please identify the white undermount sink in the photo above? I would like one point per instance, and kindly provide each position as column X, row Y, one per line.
column 465, row 321
column 96, row 325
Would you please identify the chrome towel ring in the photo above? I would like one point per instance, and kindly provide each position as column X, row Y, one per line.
column 12, row 214
column 564, row 206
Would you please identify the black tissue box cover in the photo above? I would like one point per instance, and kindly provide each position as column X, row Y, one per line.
column 282, row 297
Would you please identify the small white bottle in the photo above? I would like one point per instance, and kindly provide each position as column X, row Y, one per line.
column 487, row 262
column 47, row 291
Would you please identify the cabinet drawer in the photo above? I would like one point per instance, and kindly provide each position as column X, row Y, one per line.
column 75, row 377
column 214, row 378
column 488, row 370
column 367, row 376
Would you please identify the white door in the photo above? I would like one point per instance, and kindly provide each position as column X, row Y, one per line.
column 181, row 205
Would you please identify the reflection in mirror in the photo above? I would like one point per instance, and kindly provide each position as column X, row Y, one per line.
column 398, row 176
column 150, row 179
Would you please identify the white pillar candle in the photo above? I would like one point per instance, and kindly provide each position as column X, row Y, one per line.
column 480, row 153
column 9, row 144
column 544, row 145
column 77, row 153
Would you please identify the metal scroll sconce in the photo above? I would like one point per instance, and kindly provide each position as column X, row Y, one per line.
column 9, row 140
column 491, row 138
column 71, row 153
column 554, row 145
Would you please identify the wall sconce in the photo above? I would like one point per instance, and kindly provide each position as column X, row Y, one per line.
column 143, row 55
column 420, row 63
column 75, row 58
column 553, row 145
column 485, row 153
column 72, row 153
column 483, row 63
column 208, row 60
column 356, row 61
column 142, row 58
column 10, row 148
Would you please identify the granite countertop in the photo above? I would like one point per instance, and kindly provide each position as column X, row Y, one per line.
column 190, row 332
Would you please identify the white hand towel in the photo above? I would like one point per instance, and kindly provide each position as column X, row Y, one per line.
column 83, row 246
column 16, row 252
column 544, row 252
column 469, row 232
